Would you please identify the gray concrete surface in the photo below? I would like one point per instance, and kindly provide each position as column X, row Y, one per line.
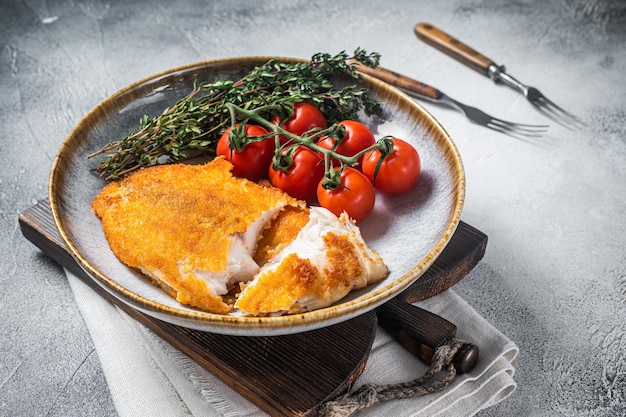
column 554, row 276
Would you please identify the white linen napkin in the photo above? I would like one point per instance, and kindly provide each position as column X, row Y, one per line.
column 148, row 377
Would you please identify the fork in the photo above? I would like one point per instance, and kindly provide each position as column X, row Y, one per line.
column 419, row 90
column 540, row 101
column 475, row 60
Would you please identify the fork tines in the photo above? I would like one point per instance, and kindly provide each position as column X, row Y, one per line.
column 517, row 129
column 549, row 109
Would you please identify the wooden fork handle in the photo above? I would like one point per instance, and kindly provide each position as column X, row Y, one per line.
column 398, row 80
column 453, row 47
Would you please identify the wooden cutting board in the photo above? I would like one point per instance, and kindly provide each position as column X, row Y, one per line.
column 288, row 375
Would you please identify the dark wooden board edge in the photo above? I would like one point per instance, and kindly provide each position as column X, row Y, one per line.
column 464, row 250
column 286, row 384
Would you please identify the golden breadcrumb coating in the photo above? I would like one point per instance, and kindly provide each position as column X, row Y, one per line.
column 296, row 279
column 171, row 221
column 321, row 264
column 280, row 232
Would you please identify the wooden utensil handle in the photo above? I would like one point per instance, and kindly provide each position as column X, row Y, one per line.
column 399, row 80
column 453, row 47
column 422, row 332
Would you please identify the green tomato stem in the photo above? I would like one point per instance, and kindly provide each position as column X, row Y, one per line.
column 306, row 140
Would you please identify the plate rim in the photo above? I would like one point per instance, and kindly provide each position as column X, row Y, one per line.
column 241, row 325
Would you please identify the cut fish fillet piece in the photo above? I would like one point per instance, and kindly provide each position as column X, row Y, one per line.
column 325, row 260
column 193, row 229
column 198, row 232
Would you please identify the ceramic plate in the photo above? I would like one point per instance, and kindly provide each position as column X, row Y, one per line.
column 409, row 231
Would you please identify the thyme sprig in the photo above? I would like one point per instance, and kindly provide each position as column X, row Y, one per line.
column 195, row 123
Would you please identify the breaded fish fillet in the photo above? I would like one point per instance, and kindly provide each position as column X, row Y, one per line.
column 199, row 232
column 325, row 260
column 192, row 228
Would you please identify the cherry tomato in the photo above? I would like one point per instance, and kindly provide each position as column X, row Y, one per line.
column 255, row 158
column 302, row 176
column 358, row 137
column 399, row 171
column 356, row 197
column 305, row 117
